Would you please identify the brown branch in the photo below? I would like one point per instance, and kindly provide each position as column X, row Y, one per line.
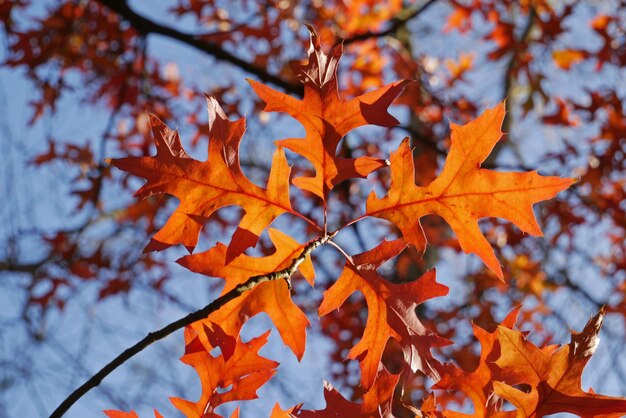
column 152, row 337
column 507, row 87
column 509, row 76
column 146, row 26
column 396, row 23
column 31, row 268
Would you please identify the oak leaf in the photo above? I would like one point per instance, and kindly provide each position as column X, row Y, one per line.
column 224, row 378
column 336, row 406
column 272, row 297
column 376, row 402
column 391, row 311
column 477, row 384
column 565, row 58
column 378, row 399
column 327, row 119
column 132, row 414
column 278, row 412
column 464, row 192
column 204, row 187
column 554, row 375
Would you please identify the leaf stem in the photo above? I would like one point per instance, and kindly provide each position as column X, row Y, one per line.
column 152, row 337
column 342, row 251
column 309, row 221
column 351, row 222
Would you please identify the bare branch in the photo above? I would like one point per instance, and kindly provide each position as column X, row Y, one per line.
column 31, row 268
column 147, row 26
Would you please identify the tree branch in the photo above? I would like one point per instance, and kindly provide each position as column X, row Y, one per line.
column 509, row 81
column 396, row 23
column 152, row 337
column 147, row 26
column 31, row 268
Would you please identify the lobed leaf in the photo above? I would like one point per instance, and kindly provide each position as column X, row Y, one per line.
column 464, row 192
column 327, row 119
column 391, row 311
column 272, row 297
column 554, row 375
column 223, row 380
column 204, row 187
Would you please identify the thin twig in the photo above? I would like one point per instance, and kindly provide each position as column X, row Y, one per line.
column 341, row 250
column 152, row 337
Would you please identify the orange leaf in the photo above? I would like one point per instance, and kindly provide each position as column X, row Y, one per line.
column 554, row 375
column 565, row 58
column 271, row 297
column 376, row 402
column 120, row 414
column 458, row 68
column 391, row 311
column 464, row 192
column 336, row 406
column 278, row 412
column 224, row 380
column 327, row 119
column 204, row 187
column 380, row 396
column 132, row 414
column 460, row 19
column 477, row 385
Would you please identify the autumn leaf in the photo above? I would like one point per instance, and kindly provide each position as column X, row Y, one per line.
column 272, row 297
column 278, row 412
column 336, row 406
column 565, row 58
column 477, row 384
column 378, row 399
column 460, row 18
column 391, row 311
column 458, row 69
column 204, row 187
column 376, row 402
column 224, row 379
column 327, row 119
column 132, row 414
column 464, row 192
column 554, row 375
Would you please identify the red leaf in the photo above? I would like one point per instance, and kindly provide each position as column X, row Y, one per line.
column 464, row 192
column 554, row 375
column 271, row 297
column 391, row 311
column 204, row 187
column 477, row 384
column 327, row 119
column 224, row 380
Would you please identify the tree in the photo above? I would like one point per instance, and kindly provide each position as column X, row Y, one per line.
column 399, row 341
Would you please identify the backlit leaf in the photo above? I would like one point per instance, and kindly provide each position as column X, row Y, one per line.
column 464, row 192
column 391, row 311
